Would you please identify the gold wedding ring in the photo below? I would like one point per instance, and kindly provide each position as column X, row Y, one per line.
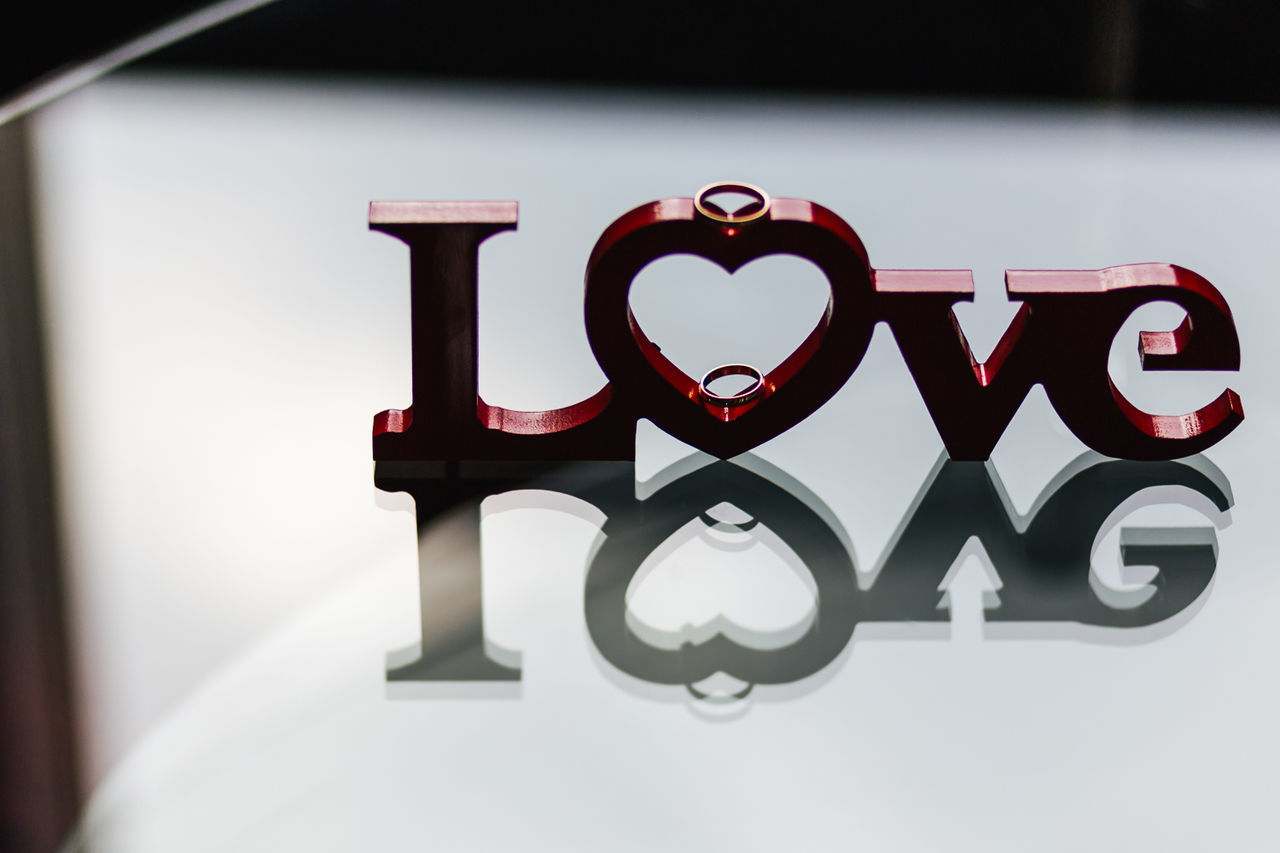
column 748, row 394
column 755, row 210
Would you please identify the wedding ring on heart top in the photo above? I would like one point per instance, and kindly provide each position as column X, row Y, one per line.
column 754, row 210
column 751, row 392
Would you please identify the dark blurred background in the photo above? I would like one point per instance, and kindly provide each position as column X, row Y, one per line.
column 1149, row 51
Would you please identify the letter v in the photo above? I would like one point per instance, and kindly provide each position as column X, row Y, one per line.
column 971, row 403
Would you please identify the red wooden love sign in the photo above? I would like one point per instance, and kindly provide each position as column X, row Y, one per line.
column 1060, row 338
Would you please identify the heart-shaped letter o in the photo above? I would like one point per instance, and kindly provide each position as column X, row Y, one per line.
column 650, row 386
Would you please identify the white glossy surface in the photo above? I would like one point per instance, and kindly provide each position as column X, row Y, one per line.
column 223, row 327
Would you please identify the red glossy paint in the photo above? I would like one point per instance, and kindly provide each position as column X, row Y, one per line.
column 1061, row 338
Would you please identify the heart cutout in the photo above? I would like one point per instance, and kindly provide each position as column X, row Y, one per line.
column 635, row 530
column 704, row 581
column 702, row 316
column 651, row 386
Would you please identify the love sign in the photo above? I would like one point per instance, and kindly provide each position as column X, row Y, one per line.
column 1060, row 338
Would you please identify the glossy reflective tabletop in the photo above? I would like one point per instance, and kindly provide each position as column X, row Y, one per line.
column 839, row 640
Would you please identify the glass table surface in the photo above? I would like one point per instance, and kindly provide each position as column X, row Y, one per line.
column 838, row 640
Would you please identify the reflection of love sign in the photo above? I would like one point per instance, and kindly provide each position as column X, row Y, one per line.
column 1043, row 561
column 1060, row 338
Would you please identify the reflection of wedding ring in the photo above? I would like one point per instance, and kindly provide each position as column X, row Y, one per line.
column 754, row 210
column 751, row 392
column 733, row 526
column 719, row 698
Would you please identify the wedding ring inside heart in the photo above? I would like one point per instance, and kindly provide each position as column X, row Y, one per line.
column 730, row 233
column 732, row 401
